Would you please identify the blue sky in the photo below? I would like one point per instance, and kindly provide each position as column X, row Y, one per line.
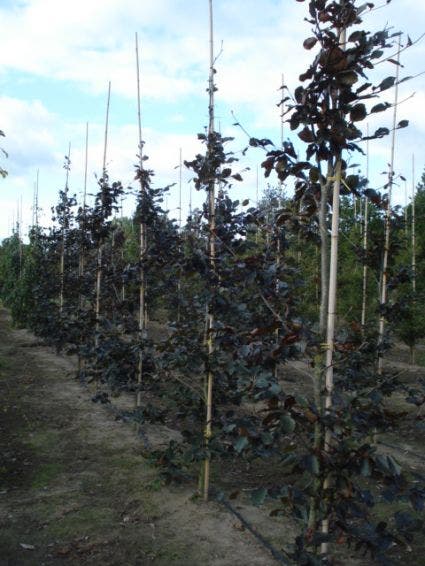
column 56, row 61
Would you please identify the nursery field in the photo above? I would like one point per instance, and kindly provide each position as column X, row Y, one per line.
column 242, row 386
column 77, row 486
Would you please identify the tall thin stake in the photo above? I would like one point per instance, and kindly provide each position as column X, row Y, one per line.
column 212, row 259
column 100, row 248
column 19, row 232
column 81, row 262
column 179, row 282
column 143, row 315
column 413, row 228
column 180, row 188
column 384, row 276
column 406, row 200
column 365, row 239
column 83, row 227
column 35, row 201
column 63, row 243
column 278, row 246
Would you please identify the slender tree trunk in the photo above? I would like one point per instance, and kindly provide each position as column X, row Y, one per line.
column 331, row 313
column 331, row 319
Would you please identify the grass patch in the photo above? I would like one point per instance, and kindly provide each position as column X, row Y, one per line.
column 127, row 462
column 419, row 358
column 45, row 474
column 87, row 520
column 47, row 440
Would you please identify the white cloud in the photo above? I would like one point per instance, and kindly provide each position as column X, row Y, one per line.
column 94, row 42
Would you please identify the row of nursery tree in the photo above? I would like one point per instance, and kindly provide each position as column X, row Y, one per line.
column 199, row 321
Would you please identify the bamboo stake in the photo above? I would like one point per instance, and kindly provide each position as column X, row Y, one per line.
column 365, row 241
column 19, row 231
column 212, row 254
column 179, row 283
column 35, row 201
column 36, row 196
column 384, row 277
column 81, row 263
column 257, row 201
column 33, row 206
column 122, row 254
column 100, row 248
column 63, row 243
column 278, row 250
column 83, row 227
column 413, row 228
column 406, row 201
column 282, row 117
column 143, row 314
column 180, row 188
column 324, row 251
column 413, row 236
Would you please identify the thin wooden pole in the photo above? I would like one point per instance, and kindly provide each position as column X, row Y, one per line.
column 35, row 201
column 384, row 277
column 180, row 188
column 37, row 186
column 282, row 109
column 105, row 144
column 100, row 248
column 212, row 259
column 63, row 243
column 143, row 314
column 413, row 228
column 83, row 227
column 19, row 230
column 257, row 202
column 81, row 263
column 179, row 282
column 278, row 246
column 365, row 239
column 406, row 201
column 122, row 252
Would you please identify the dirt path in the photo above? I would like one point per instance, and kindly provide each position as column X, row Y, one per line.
column 75, row 488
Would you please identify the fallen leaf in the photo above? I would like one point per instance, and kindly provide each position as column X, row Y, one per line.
column 26, row 546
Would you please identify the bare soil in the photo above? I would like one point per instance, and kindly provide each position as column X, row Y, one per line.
column 75, row 487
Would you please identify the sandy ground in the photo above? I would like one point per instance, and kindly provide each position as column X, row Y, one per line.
column 75, row 487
